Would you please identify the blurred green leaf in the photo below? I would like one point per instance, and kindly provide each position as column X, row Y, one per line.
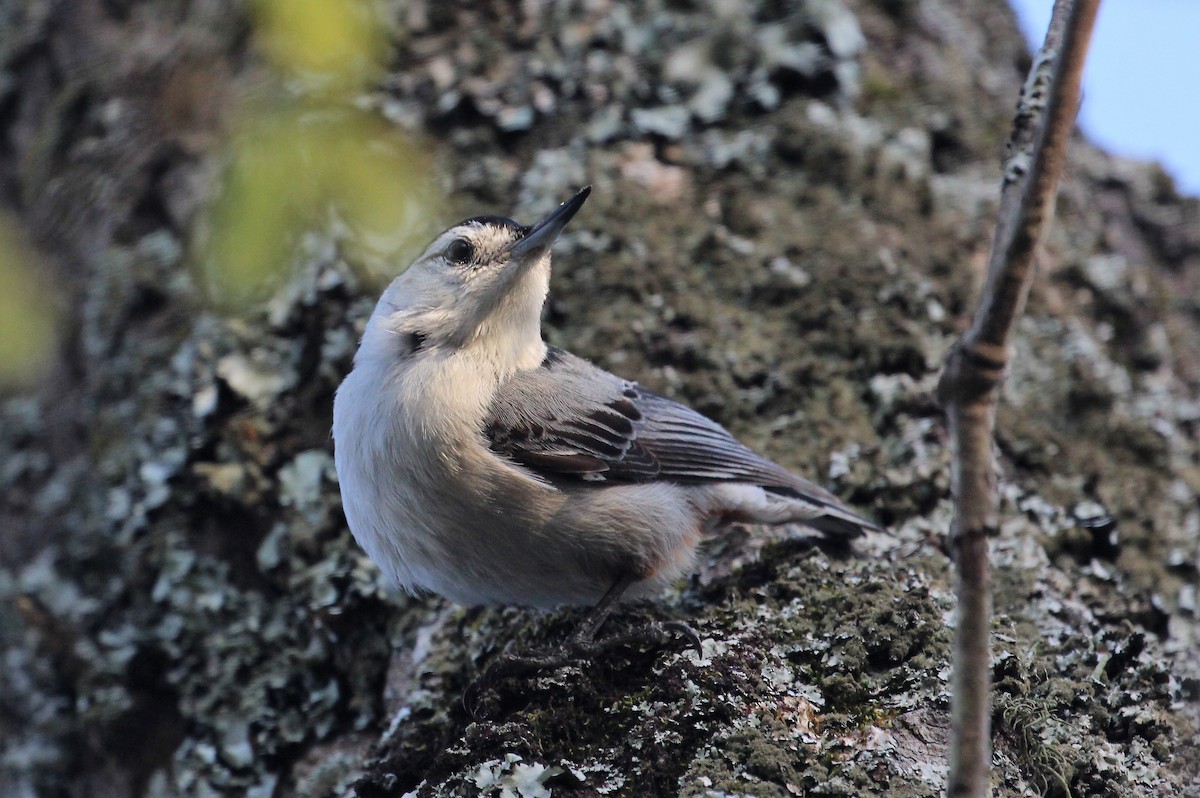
column 338, row 41
column 27, row 334
column 290, row 166
column 382, row 188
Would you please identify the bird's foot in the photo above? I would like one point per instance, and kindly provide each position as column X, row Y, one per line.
column 579, row 647
column 652, row 635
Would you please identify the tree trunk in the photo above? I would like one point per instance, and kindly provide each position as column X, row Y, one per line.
column 783, row 201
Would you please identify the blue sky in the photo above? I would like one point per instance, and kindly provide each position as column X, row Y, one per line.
column 1141, row 95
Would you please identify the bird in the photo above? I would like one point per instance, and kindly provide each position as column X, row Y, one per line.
column 481, row 464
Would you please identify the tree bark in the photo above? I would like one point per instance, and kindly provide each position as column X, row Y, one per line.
column 782, row 203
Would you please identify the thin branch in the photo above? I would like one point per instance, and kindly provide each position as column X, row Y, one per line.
column 975, row 367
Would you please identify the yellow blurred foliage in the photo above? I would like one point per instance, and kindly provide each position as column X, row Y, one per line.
column 292, row 165
column 288, row 168
column 340, row 41
column 27, row 329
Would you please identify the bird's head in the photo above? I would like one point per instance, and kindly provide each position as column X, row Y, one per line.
column 482, row 282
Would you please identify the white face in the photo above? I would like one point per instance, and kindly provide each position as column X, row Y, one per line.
column 481, row 283
column 469, row 276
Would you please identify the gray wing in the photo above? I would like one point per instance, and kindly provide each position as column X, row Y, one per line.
column 569, row 419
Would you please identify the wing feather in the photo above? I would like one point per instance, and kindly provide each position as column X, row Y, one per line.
column 570, row 418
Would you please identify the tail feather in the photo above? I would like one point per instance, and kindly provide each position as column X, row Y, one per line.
column 842, row 526
column 834, row 519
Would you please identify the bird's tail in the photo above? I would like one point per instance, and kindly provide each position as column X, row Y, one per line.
column 824, row 513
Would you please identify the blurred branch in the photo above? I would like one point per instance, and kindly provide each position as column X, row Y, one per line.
column 975, row 367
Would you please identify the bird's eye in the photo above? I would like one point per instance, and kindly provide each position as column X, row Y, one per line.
column 460, row 251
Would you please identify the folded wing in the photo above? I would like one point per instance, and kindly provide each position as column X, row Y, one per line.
column 569, row 419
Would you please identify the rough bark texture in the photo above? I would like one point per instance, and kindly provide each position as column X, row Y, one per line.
column 786, row 195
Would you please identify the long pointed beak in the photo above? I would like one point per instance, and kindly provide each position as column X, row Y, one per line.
column 543, row 234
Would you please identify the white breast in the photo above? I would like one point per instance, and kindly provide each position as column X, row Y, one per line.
column 422, row 494
column 438, row 511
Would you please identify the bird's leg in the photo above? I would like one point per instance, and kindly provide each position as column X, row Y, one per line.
column 583, row 644
column 585, row 634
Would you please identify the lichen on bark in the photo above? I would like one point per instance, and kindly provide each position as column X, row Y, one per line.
column 792, row 206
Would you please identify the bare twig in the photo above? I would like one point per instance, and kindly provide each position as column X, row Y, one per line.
column 975, row 367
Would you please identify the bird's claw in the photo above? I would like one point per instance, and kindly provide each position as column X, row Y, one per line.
column 578, row 648
column 688, row 633
column 656, row 634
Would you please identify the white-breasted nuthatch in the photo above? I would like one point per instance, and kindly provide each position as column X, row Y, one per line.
column 478, row 463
